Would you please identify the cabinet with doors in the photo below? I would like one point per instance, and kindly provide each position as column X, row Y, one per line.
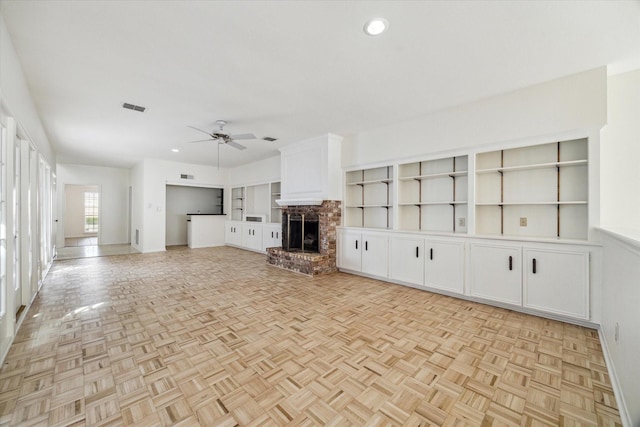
column 431, row 262
column 369, row 198
column 233, row 233
column 252, row 236
column 556, row 281
column 547, row 278
column 255, row 216
column 496, row 272
column 433, row 194
column 534, row 191
column 365, row 252
column 271, row 236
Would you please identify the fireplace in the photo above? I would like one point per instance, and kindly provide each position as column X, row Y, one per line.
column 309, row 234
column 301, row 232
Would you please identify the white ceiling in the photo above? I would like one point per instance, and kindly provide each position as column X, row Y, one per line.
column 288, row 69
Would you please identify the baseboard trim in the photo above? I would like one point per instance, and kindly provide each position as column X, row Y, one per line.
column 615, row 383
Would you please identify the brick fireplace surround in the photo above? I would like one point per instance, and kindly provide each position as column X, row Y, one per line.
column 329, row 216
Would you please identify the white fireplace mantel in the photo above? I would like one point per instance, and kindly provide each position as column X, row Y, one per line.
column 299, row 202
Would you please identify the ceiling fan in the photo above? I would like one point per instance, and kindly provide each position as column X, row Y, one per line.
column 224, row 138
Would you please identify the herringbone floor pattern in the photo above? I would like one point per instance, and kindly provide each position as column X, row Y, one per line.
column 215, row 337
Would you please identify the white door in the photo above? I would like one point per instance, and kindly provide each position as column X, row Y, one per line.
column 350, row 256
column 496, row 273
column 557, row 282
column 444, row 265
column 375, row 255
column 407, row 259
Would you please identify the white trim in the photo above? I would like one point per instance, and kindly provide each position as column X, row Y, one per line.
column 299, row 202
column 615, row 384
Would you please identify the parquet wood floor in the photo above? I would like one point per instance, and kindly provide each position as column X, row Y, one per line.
column 215, row 337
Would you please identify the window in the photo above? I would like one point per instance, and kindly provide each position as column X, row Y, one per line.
column 91, row 212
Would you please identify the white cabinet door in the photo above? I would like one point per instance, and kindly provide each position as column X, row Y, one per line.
column 350, row 254
column 496, row 272
column 271, row 236
column 444, row 265
column 252, row 236
column 557, row 282
column 233, row 233
column 407, row 259
column 375, row 255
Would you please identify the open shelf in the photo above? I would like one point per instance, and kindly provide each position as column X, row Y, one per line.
column 534, row 191
column 368, row 198
column 432, row 195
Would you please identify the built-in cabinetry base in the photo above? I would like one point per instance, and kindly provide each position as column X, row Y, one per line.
column 252, row 235
column 548, row 279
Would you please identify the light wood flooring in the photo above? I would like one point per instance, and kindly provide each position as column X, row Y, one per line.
column 215, row 337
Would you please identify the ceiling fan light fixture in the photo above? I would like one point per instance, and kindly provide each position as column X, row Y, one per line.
column 376, row 26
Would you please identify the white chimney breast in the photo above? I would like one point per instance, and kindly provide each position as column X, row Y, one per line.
column 311, row 171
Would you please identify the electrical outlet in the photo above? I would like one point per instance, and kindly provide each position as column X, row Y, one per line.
column 523, row 221
column 617, row 332
column 461, row 222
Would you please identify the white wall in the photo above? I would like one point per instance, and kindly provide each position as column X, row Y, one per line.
column 17, row 100
column 620, row 305
column 620, row 214
column 74, row 209
column 559, row 106
column 620, row 154
column 114, row 199
column 156, row 174
column 265, row 170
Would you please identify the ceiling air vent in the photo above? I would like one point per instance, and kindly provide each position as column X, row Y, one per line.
column 268, row 138
column 185, row 176
column 133, row 107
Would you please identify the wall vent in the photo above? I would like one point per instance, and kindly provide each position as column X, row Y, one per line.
column 133, row 107
column 185, row 176
column 270, row 139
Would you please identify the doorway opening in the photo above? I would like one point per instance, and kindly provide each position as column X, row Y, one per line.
column 82, row 215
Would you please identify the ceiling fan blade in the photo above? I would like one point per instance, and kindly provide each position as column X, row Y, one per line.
column 236, row 145
column 199, row 130
column 200, row 140
column 243, row 136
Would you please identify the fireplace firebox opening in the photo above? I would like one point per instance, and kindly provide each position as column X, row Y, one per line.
column 301, row 233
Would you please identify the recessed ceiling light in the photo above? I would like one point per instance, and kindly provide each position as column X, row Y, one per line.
column 376, row 26
column 175, row 150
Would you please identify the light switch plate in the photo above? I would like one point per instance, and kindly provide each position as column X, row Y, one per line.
column 523, row 222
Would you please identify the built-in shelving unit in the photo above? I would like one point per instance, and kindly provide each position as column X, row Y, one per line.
column 534, row 191
column 276, row 210
column 368, row 199
column 237, row 203
column 432, row 195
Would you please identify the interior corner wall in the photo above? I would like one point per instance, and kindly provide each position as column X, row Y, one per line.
column 156, row 174
column 17, row 100
column 114, row 199
column 576, row 102
column 620, row 154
